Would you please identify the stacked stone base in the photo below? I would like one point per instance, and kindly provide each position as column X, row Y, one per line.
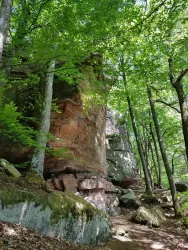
column 95, row 189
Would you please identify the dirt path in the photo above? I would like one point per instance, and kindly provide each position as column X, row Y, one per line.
column 130, row 236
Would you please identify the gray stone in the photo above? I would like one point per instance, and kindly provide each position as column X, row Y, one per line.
column 120, row 160
column 81, row 223
column 98, row 199
column 113, row 205
column 129, row 199
column 101, row 193
column 108, row 203
column 151, row 216
column 88, row 184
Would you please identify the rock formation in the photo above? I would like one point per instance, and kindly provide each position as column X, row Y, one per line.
column 82, row 170
column 55, row 214
column 82, row 134
column 121, row 163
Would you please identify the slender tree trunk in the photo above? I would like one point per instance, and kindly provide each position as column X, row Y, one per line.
column 128, row 134
column 149, row 168
column 163, row 153
column 5, row 13
column 177, row 84
column 140, row 151
column 150, row 175
column 37, row 163
column 184, row 113
column 139, row 145
column 146, row 154
column 157, row 156
column 154, row 164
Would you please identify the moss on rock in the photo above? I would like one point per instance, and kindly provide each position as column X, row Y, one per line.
column 153, row 216
column 60, row 211
column 61, row 204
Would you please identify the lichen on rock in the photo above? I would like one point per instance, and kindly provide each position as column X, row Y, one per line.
column 55, row 214
column 153, row 216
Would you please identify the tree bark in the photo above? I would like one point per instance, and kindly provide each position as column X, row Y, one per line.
column 5, row 13
column 146, row 154
column 154, row 164
column 163, row 153
column 157, row 156
column 177, row 84
column 139, row 146
column 184, row 113
column 37, row 163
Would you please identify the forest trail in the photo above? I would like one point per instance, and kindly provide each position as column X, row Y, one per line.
column 131, row 236
column 171, row 235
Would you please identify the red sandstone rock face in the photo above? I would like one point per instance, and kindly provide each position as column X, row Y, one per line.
column 83, row 134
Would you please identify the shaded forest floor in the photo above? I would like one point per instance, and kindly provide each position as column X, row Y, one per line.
column 128, row 236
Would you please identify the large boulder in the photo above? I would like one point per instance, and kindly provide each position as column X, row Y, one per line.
column 52, row 213
column 181, row 186
column 153, row 216
column 120, row 159
column 129, row 199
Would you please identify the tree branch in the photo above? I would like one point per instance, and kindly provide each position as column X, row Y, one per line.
column 181, row 75
column 168, row 104
column 37, row 16
column 179, row 78
column 170, row 64
column 150, row 14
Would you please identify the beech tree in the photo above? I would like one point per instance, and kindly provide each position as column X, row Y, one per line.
column 159, row 172
column 37, row 162
column 178, row 86
column 163, row 153
column 137, row 137
column 5, row 13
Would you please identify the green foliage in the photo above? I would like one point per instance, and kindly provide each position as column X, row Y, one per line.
column 12, row 128
column 183, row 197
column 144, row 34
column 160, row 34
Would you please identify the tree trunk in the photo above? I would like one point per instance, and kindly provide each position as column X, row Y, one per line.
column 154, row 164
column 149, row 168
column 157, row 156
column 146, row 154
column 177, row 84
column 163, row 153
column 6, row 9
column 37, row 163
column 184, row 113
column 141, row 153
column 139, row 145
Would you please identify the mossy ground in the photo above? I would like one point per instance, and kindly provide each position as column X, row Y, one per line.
column 34, row 189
